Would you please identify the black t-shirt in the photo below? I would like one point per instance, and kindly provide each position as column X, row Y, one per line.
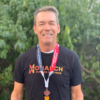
column 67, row 73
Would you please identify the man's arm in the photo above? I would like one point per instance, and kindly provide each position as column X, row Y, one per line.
column 76, row 93
column 17, row 93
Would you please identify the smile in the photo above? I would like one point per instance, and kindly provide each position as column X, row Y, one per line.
column 47, row 34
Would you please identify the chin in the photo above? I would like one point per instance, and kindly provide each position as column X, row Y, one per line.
column 47, row 43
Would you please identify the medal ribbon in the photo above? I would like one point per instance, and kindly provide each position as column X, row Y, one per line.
column 53, row 63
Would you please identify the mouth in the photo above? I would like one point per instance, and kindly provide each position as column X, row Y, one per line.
column 47, row 34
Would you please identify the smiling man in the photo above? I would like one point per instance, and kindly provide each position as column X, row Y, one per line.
column 46, row 28
column 49, row 71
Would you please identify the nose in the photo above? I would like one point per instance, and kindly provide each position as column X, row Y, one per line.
column 47, row 27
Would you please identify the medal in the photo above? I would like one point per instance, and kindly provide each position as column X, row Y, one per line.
column 53, row 64
column 46, row 97
column 46, row 92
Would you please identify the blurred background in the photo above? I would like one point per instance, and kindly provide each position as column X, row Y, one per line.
column 80, row 31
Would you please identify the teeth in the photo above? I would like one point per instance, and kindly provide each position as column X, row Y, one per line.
column 47, row 34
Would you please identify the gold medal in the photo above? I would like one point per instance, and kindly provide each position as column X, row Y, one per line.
column 53, row 64
column 46, row 93
column 46, row 97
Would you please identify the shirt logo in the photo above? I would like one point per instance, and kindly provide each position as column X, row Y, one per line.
column 35, row 69
column 31, row 69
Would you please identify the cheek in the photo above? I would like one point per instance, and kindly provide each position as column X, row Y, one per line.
column 54, row 29
column 56, row 32
column 40, row 30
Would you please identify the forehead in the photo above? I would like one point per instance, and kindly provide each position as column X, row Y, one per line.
column 45, row 16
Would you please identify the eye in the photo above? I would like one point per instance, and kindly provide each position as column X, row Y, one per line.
column 41, row 24
column 51, row 23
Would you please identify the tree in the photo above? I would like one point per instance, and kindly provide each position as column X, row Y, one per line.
column 84, row 23
column 80, row 31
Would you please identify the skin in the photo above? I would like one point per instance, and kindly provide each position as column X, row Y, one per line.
column 76, row 93
column 46, row 24
column 17, row 93
column 46, row 29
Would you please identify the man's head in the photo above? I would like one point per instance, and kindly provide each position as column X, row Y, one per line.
column 47, row 8
column 46, row 25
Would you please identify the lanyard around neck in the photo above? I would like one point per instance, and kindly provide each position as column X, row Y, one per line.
column 53, row 63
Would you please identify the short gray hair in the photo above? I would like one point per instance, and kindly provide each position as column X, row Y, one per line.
column 47, row 8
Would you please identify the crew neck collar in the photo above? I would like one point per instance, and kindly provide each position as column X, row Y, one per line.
column 49, row 51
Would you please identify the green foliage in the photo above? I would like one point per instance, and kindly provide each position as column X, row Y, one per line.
column 6, row 76
column 80, row 31
column 5, row 82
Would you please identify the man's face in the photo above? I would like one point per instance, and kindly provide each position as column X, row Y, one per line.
column 46, row 27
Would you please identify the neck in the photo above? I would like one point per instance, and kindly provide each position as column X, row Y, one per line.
column 47, row 47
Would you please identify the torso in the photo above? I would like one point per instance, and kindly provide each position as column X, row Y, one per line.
column 60, row 80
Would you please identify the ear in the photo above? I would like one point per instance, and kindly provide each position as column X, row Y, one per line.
column 58, row 29
column 34, row 28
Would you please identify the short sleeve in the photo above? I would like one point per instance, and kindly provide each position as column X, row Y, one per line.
column 76, row 78
column 18, row 71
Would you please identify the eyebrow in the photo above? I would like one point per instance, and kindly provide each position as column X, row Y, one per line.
column 49, row 21
column 41, row 21
column 52, row 21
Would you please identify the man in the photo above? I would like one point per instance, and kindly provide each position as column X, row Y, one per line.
column 49, row 71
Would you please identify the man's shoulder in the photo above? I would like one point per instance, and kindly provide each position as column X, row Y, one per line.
column 67, row 52
column 28, row 54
